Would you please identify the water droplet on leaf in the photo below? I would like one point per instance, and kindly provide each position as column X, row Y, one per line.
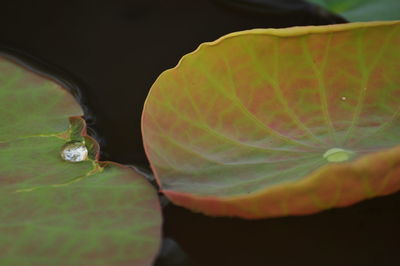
column 337, row 155
column 74, row 152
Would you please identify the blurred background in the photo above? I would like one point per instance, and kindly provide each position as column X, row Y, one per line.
column 110, row 53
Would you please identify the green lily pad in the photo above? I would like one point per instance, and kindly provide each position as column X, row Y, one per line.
column 58, row 212
column 274, row 122
column 363, row 10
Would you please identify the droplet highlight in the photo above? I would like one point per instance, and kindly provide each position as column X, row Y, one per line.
column 336, row 155
column 74, row 152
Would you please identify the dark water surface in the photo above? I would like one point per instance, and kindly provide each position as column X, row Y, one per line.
column 114, row 50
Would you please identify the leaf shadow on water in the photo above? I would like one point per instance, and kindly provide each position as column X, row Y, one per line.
column 361, row 235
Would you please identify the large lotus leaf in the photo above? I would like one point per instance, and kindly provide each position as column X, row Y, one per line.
column 56, row 212
column 363, row 10
column 273, row 122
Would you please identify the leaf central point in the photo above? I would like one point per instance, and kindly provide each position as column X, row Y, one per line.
column 337, row 155
column 74, row 152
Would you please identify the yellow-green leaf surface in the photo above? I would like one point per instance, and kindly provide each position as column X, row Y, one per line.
column 56, row 212
column 363, row 10
column 273, row 122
